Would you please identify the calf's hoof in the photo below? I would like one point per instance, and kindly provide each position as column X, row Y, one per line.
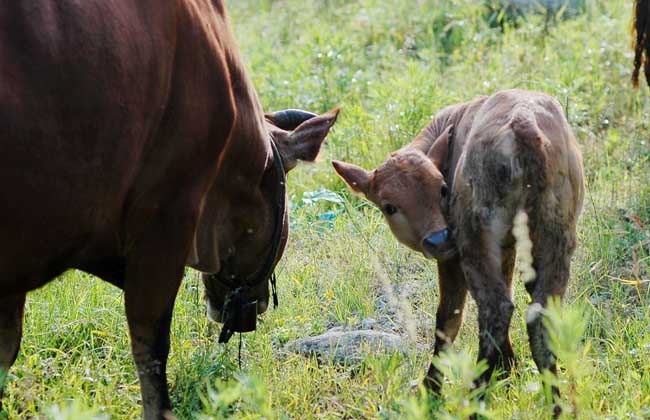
column 168, row 415
column 433, row 381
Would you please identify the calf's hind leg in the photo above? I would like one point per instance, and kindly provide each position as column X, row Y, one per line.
column 11, row 331
column 484, row 276
column 449, row 316
column 552, row 252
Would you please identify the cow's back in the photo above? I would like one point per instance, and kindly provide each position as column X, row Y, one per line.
column 85, row 91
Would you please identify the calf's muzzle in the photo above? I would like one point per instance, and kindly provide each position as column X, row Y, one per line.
column 437, row 242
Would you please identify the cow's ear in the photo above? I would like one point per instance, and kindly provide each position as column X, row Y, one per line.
column 357, row 178
column 305, row 141
column 440, row 147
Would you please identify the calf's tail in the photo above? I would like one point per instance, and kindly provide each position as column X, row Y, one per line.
column 530, row 161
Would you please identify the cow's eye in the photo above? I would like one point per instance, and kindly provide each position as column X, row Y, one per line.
column 444, row 191
column 390, row 209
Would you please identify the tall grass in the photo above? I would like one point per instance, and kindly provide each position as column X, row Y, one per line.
column 391, row 65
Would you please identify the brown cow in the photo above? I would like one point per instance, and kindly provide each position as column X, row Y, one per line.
column 133, row 144
column 452, row 194
column 641, row 33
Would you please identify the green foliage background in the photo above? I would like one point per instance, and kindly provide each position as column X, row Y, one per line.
column 390, row 65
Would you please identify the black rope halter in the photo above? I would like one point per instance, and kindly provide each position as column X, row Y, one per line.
column 239, row 314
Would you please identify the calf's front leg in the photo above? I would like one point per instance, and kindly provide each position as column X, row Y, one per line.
column 449, row 316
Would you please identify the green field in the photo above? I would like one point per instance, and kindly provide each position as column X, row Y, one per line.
column 390, row 65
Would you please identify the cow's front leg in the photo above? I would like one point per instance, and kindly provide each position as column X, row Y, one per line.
column 150, row 347
column 154, row 271
column 449, row 316
column 149, row 300
column 11, row 331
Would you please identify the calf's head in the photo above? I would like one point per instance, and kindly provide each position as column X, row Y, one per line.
column 410, row 190
column 249, row 228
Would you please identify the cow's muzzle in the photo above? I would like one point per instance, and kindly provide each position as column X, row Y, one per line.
column 238, row 314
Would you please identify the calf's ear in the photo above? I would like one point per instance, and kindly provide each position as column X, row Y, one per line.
column 357, row 178
column 440, row 147
column 304, row 142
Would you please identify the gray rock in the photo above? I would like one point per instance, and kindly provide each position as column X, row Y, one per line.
column 347, row 347
column 368, row 324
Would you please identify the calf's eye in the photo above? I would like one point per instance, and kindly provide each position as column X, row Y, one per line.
column 390, row 209
column 444, row 191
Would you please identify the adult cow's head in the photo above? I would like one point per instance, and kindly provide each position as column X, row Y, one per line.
column 410, row 190
column 245, row 224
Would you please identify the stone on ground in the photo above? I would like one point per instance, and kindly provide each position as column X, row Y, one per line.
column 348, row 347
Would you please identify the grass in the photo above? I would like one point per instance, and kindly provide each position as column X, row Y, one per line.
column 391, row 65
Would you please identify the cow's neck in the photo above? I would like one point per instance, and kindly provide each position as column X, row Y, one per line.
column 249, row 149
column 246, row 166
column 241, row 189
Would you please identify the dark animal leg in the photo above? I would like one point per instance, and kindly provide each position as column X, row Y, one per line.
column 487, row 259
column 449, row 317
column 495, row 310
column 508, row 257
column 150, row 346
column 11, row 331
column 552, row 262
column 153, row 274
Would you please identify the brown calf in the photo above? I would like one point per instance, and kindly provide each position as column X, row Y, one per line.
column 453, row 193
